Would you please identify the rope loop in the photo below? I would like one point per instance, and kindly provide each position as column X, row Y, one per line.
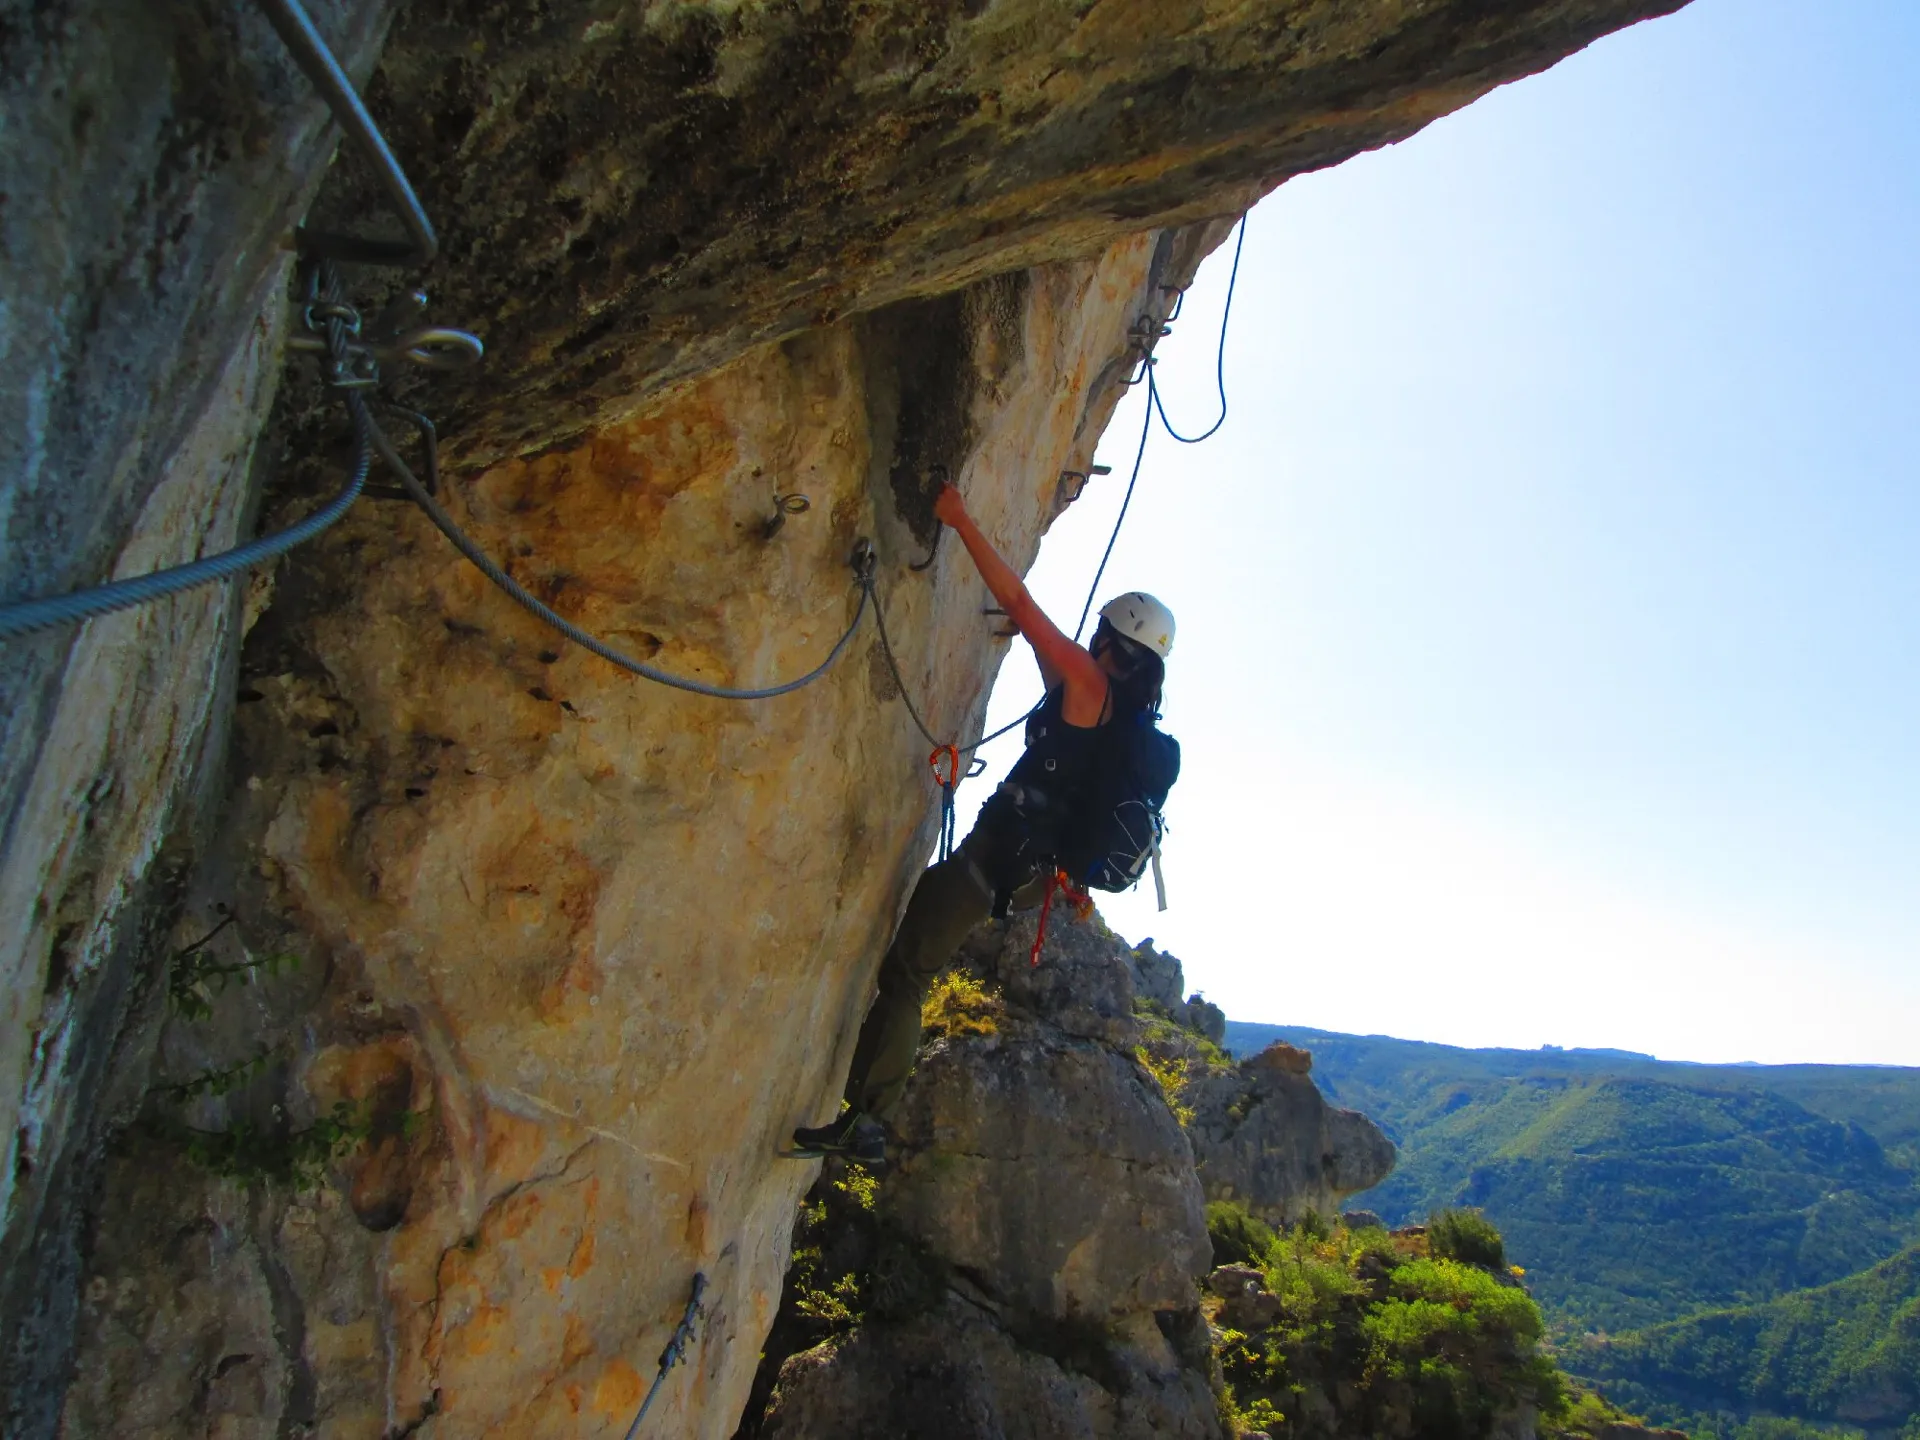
column 1058, row 883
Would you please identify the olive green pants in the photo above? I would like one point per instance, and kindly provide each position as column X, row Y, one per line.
column 950, row 899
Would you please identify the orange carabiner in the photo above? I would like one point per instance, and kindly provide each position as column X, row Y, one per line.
column 951, row 754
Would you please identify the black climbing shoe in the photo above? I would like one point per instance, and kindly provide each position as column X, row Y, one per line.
column 853, row 1136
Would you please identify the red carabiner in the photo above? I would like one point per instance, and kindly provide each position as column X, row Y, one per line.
column 951, row 754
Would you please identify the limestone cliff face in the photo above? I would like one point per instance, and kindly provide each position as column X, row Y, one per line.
column 601, row 943
column 154, row 157
column 487, row 849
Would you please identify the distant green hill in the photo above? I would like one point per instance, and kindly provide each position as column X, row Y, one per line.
column 1637, row 1191
column 1847, row 1353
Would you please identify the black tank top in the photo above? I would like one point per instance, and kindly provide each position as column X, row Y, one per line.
column 1058, row 755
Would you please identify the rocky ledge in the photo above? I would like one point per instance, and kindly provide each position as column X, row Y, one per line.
column 1030, row 1265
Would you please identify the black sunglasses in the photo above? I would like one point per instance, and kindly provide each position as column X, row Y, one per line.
column 1131, row 651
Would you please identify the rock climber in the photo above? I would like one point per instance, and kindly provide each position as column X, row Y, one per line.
column 1115, row 678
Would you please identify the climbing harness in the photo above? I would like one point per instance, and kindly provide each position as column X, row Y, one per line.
column 333, row 333
column 676, row 1349
column 1058, row 883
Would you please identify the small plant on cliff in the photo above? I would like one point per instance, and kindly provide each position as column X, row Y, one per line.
column 836, row 1307
column 1169, row 1072
column 1466, row 1236
column 1259, row 1415
column 958, row 1004
column 1239, row 1237
column 859, row 1185
column 219, row 1080
column 248, row 1150
column 195, row 975
column 1174, row 1054
column 1583, row 1415
column 1158, row 1027
column 251, row 1153
column 826, row 1281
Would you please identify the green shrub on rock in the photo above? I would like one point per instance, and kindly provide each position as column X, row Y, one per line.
column 1466, row 1236
column 1370, row 1333
column 1239, row 1238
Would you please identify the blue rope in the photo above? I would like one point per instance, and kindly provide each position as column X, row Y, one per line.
column 1120, row 519
column 1219, row 359
column 1154, row 407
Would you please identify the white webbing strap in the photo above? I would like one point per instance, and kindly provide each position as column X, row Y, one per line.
column 1159, row 880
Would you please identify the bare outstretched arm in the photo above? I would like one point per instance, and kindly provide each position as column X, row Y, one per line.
column 1062, row 661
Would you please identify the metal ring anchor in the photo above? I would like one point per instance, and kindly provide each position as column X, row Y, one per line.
column 430, row 347
column 783, row 506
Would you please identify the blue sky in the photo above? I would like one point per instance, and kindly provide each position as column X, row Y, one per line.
column 1549, row 664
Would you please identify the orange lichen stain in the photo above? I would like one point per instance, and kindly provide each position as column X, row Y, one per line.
column 567, row 993
column 515, row 1217
column 341, row 1072
column 478, row 1335
column 578, row 1343
column 697, row 1225
column 582, row 1260
column 456, row 1268
column 525, row 910
column 574, row 1397
column 551, row 1278
column 515, row 1148
column 617, row 1390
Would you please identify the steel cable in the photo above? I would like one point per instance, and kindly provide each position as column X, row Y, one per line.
column 899, row 683
column 1133, row 479
column 316, row 60
column 675, row 1352
column 26, row 616
column 519, row 594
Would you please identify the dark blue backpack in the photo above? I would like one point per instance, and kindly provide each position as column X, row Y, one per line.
column 1114, row 832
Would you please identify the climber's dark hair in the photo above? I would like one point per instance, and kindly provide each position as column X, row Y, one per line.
column 1138, row 687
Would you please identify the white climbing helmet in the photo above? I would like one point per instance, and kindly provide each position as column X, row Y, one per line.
column 1141, row 618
